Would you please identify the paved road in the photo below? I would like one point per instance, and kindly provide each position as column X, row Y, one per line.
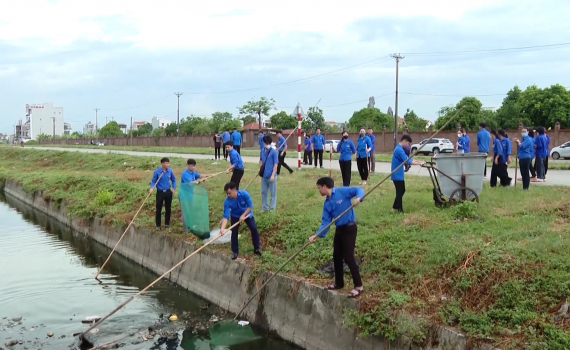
column 554, row 177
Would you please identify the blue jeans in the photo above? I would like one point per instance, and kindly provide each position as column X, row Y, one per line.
column 250, row 222
column 539, row 163
column 272, row 187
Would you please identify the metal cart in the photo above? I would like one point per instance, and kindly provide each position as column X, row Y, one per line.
column 456, row 177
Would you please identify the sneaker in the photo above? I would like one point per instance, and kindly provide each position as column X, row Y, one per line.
column 540, row 180
column 290, row 171
column 234, row 256
column 166, row 226
column 257, row 252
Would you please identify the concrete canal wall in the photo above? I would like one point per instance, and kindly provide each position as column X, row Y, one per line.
column 296, row 311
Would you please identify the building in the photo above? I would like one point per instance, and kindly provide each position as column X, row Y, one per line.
column 67, row 130
column 89, row 129
column 41, row 119
column 123, row 128
column 138, row 124
column 160, row 122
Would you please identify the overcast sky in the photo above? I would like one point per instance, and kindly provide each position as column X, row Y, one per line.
column 129, row 57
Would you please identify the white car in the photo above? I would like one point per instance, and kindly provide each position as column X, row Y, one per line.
column 434, row 146
column 329, row 143
column 562, row 151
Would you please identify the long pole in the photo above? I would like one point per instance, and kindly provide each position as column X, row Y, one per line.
column 299, row 140
column 398, row 57
column 178, row 94
column 96, row 131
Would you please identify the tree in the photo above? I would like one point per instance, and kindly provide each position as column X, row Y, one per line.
column 112, row 128
column 76, row 135
column 170, row 129
column 469, row 114
column 282, row 120
column 220, row 121
column 544, row 107
column 368, row 117
column 314, row 119
column 144, row 130
column 413, row 122
column 509, row 114
column 259, row 108
column 248, row 119
column 158, row 132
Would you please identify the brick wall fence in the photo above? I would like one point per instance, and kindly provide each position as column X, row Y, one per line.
column 384, row 139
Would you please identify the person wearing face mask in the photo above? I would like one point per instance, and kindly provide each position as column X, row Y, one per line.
column 498, row 162
column 466, row 141
column 363, row 146
column 398, row 157
column 346, row 149
column 308, row 155
column 460, row 143
column 268, row 162
column 525, row 154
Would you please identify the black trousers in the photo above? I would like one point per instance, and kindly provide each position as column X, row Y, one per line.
column 319, row 156
column 308, row 155
column 250, row 222
column 500, row 170
column 166, row 198
column 238, row 149
column 362, row 166
column 217, row 147
column 343, row 249
column 400, row 190
column 346, row 171
column 524, row 165
column 546, row 165
column 237, row 174
column 282, row 163
column 225, row 153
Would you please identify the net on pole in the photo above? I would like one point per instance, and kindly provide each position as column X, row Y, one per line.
column 195, row 212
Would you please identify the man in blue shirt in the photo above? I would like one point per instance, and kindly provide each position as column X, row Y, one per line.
column 497, row 168
column 363, row 147
column 399, row 157
column 217, row 145
column 541, row 143
column 506, row 144
column 483, row 140
column 347, row 149
column 236, row 139
column 372, row 155
column 236, row 164
column 190, row 174
column 238, row 207
column 162, row 179
column 466, row 141
column 336, row 202
column 225, row 138
column 525, row 154
column 308, row 155
column 260, row 140
column 268, row 162
column 318, row 142
column 282, row 149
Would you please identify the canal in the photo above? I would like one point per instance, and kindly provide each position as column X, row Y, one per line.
column 47, row 288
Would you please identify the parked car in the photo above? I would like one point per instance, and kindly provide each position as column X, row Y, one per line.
column 434, row 146
column 562, row 151
column 329, row 143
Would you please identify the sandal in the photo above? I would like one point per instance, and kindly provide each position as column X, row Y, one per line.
column 353, row 295
column 332, row 287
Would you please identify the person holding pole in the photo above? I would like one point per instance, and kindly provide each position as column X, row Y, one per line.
column 225, row 138
column 525, row 154
column 363, row 146
column 337, row 201
column 238, row 208
column 372, row 156
column 163, row 177
column 347, row 149
column 308, row 155
column 268, row 162
column 282, row 149
column 398, row 157
column 236, row 164
column 318, row 141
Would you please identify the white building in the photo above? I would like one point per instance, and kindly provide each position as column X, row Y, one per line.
column 89, row 129
column 123, row 128
column 160, row 122
column 42, row 119
column 67, row 130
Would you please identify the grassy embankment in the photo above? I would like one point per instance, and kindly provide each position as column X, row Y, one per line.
column 380, row 157
column 494, row 269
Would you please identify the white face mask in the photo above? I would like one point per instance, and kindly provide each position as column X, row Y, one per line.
column 268, row 146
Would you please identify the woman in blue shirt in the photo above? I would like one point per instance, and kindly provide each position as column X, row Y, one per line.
column 498, row 168
column 525, row 153
column 346, row 149
column 541, row 145
column 363, row 146
column 460, row 142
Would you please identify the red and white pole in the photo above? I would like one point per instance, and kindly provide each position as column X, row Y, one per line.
column 299, row 141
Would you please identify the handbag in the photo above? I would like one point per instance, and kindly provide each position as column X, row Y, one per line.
column 262, row 167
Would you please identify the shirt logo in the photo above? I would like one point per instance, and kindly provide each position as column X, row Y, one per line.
column 339, row 201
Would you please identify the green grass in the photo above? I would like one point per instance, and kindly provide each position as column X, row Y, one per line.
column 492, row 269
column 254, row 152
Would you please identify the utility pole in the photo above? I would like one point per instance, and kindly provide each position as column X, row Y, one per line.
column 178, row 94
column 53, row 122
column 96, row 131
column 131, row 130
column 397, row 57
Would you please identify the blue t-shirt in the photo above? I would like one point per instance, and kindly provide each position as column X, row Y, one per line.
column 281, row 143
column 372, row 141
column 237, row 206
column 362, row 143
column 526, row 148
column 236, row 138
column 307, row 144
column 318, row 141
column 165, row 179
column 461, row 143
column 466, row 143
column 261, row 144
column 189, row 176
column 506, row 143
column 269, row 157
column 398, row 157
column 339, row 201
column 235, row 159
column 346, row 149
column 541, row 146
column 225, row 136
column 483, row 139
column 498, row 149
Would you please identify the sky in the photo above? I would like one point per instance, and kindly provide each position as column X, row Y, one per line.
column 128, row 58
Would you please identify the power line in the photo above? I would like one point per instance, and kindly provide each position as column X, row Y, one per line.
column 509, row 49
column 444, row 95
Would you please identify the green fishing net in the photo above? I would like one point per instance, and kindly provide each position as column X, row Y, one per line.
column 195, row 212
